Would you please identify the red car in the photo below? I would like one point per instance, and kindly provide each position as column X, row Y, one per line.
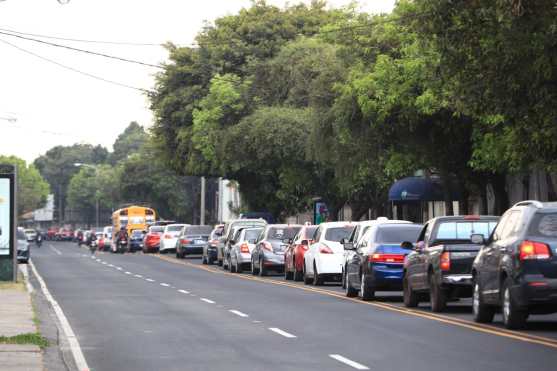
column 51, row 233
column 294, row 254
column 152, row 239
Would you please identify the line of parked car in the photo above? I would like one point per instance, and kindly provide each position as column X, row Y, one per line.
column 507, row 263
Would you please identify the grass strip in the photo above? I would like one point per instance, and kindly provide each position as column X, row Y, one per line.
column 25, row 339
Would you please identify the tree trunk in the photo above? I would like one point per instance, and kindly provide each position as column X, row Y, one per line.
column 499, row 184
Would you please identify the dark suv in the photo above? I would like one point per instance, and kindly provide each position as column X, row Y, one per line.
column 516, row 268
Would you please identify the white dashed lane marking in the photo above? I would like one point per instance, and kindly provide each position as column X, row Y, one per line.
column 138, row 275
column 349, row 362
column 128, row 272
column 282, row 333
column 165, row 284
column 183, row 291
column 207, row 300
column 238, row 313
column 149, row 279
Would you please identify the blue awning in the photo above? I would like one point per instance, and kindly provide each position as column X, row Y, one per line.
column 418, row 189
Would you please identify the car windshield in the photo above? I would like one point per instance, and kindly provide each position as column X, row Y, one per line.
column 174, row 228
column 21, row 235
column 203, row 230
column 156, row 229
column 336, row 234
column 282, row 233
column 462, row 230
column 29, row 231
column 137, row 233
column 398, row 233
column 310, row 232
column 544, row 225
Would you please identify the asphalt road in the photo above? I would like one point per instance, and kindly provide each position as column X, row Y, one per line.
column 142, row 312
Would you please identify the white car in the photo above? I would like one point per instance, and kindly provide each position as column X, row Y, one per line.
column 324, row 258
column 357, row 234
column 170, row 237
column 240, row 251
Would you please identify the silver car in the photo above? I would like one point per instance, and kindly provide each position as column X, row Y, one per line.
column 242, row 245
column 223, row 247
column 23, row 251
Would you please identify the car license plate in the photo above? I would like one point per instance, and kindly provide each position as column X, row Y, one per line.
column 198, row 242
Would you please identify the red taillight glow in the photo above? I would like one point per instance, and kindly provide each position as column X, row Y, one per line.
column 386, row 258
column 183, row 241
column 244, row 248
column 445, row 261
column 167, row 236
column 324, row 249
column 530, row 250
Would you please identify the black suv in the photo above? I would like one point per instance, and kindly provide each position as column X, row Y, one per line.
column 441, row 263
column 516, row 268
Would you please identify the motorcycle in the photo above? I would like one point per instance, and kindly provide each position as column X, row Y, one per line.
column 39, row 242
column 122, row 246
column 93, row 246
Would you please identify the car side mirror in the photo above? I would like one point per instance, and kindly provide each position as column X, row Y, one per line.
column 349, row 246
column 343, row 241
column 407, row 245
column 305, row 243
column 232, row 242
column 477, row 239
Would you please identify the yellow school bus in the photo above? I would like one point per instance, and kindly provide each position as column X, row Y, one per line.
column 132, row 218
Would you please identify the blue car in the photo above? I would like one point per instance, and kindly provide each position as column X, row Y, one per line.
column 378, row 259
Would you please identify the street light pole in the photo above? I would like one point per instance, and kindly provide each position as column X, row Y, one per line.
column 202, row 211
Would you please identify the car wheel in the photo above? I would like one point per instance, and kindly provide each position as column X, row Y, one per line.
column 513, row 316
column 317, row 279
column 298, row 275
column 220, row 263
column 209, row 260
column 287, row 274
column 437, row 296
column 262, row 268
column 366, row 293
column 349, row 290
column 254, row 270
column 307, row 279
column 482, row 313
column 203, row 259
column 231, row 266
column 411, row 299
column 343, row 282
column 178, row 255
column 238, row 266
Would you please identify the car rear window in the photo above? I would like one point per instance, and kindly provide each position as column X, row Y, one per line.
column 252, row 234
column 175, row 228
column 463, row 230
column 198, row 230
column 156, row 229
column 137, row 233
column 397, row 234
column 544, row 225
column 282, row 233
column 338, row 233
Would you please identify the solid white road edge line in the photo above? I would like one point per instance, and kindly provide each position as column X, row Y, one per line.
column 23, row 269
column 184, row 291
column 281, row 332
column 165, row 284
column 346, row 361
column 207, row 300
column 78, row 356
column 238, row 313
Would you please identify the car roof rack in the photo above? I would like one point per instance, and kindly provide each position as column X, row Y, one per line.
column 535, row 203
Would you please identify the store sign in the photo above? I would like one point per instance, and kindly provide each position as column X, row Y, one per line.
column 7, row 213
column 320, row 213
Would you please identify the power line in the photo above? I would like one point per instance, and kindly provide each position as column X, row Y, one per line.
column 74, row 69
column 81, row 40
column 82, row 50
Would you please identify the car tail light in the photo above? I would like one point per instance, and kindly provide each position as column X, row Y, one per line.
column 267, row 246
column 445, row 261
column 530, row 250
column 184, row 241
column 244, row 248
column 386, row 258
column 167, row 236
column 324, row 249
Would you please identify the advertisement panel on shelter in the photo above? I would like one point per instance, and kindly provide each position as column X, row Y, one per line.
column 5, row 216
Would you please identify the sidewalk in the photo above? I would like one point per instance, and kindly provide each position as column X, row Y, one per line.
column 16, row 318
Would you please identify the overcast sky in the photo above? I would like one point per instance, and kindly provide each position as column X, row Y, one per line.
column 55, row 106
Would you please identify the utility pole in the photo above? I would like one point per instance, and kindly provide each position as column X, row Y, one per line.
column 202, row 212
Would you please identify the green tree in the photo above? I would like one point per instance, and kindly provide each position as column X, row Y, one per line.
column 32, row 189
column 128, row 142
